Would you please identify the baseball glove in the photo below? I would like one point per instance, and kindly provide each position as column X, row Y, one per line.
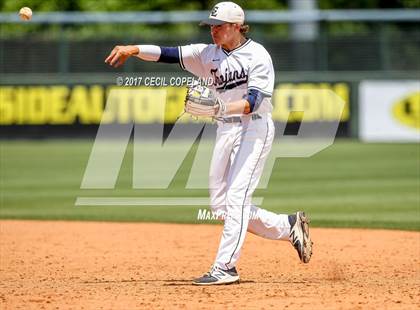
column 201, row 101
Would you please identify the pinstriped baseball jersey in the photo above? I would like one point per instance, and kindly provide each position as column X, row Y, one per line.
column 233, row 73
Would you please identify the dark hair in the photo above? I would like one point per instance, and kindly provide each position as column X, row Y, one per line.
column 244, row 29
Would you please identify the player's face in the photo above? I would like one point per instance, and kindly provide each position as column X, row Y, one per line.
column 223, row 34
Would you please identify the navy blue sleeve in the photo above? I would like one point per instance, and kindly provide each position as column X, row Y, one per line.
column 169, row 55
column 255, row 98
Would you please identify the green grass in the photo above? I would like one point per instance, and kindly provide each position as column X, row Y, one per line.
column 350, row 184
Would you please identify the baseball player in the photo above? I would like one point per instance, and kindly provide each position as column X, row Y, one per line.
column 243, row 81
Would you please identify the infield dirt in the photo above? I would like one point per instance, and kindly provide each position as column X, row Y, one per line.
column 88, row 265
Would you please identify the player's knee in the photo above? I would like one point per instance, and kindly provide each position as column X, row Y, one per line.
column 234, row 198
column 217, row 196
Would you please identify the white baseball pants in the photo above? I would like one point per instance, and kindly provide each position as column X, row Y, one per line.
column 236, row 167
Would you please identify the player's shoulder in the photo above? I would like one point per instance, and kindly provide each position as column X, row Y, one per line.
column 210, row 48
column 202, row 46
column 257, row 48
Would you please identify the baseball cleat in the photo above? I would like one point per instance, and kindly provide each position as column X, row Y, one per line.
column 299, row 235
column 218, row 276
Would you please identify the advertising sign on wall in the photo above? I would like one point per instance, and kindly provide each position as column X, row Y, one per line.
column 75, row 110
column 389, row 111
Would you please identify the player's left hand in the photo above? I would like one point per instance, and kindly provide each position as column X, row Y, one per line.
column 201, row 101
column 120, row 54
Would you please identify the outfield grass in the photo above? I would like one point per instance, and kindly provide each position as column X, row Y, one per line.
column 350, row 184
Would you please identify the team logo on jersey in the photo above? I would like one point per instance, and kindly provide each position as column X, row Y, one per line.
column 230, row 79
column 214, row 11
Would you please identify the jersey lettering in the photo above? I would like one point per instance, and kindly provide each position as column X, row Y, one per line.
column 228, row 80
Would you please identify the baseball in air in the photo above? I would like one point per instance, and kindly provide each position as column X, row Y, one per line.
column 25, row 13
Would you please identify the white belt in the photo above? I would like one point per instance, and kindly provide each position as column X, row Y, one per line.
column 236, row 119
